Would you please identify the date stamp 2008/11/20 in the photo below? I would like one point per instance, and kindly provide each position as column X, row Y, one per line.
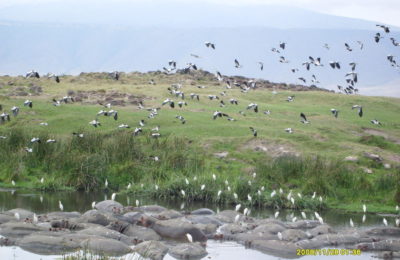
column 327, row 252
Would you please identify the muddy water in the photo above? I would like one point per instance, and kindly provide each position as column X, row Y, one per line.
column 81, row 201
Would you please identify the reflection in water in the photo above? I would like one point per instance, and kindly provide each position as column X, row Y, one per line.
column 43, row 202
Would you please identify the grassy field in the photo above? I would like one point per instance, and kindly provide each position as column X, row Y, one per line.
column 307, row 161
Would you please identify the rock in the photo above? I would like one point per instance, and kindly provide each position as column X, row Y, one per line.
column 106, row 246
column 188, row 251
column 202, row 211
column 42, row 244
column 351, row 159
column 15, row 229
column 154, row 250
column 107, row 233
column 109, row 206
column 374, row 157
column 221, row 155
column 276, row 247
column 23, row 213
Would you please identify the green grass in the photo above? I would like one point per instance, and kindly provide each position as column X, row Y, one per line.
column 186, row 151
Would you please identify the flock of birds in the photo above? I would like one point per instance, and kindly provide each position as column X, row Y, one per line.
column 176, row 91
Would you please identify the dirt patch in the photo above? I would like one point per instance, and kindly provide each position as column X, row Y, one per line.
column 115, row 98
column 393, row 158
column 377, row 132
column 270, row 148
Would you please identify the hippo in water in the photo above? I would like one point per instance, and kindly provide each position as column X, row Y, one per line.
column 174, row 228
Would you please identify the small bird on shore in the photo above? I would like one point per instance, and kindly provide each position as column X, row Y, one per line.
column 60, row 205
column 28, row 103
column 335, row 112
column 304, row 118
column 375, row 122
column 254, row 131
column 360, row 110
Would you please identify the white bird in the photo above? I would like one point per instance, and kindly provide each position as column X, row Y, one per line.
column 397, row 208
column 42, row 180
column 289, row 130
column 203, row 186
column 303, row 215
column 156, row 187
column 189, row 237
column 237, row 218
column 279, row 235
column 249, row 197
column 245, row 211
column 17, row 216
column 113, row 196
column 320, row 199
column 294, row 219
column 187, row 181
column 219, row 193
column 351, row 223
column 292, row 200
column 276, row 214
column 183, row 193
column 314, row 194
column 13, row 182
column 93, row 204
column 214, row 177
column 35, row 218
column 60, row 205
column 397, row 222
column 106, row 183
column 385, row 222
column 129, row 186
column 235, row 196
column 237, row 208
column 273, row 193
column 137, row 203
column 364, row 208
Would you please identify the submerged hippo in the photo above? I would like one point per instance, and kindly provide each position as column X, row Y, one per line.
column 174, row 228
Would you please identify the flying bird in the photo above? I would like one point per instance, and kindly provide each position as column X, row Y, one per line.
column 210, row 45
column 385, row 28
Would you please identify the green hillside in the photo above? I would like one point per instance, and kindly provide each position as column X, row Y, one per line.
column 309, row 160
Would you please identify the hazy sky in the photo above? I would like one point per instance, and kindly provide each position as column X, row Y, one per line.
column 385, row 11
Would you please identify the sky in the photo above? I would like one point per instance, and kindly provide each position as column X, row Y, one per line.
column 384, row 11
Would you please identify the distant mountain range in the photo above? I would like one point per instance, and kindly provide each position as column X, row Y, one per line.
column 53, row 38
